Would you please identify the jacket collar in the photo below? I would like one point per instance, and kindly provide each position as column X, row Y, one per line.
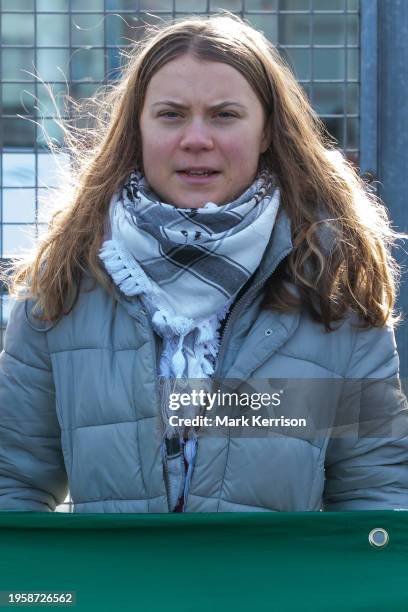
column 271, row 329
column 279, row 244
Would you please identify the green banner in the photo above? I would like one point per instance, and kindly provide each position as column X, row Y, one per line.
column 213, row 562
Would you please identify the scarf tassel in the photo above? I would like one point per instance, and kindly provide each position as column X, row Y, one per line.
column 206, row 366
column 205, row 333
column 178, row 361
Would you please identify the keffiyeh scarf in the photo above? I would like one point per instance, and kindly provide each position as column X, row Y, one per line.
column 187, row 266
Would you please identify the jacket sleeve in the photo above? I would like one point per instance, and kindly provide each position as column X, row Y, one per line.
column 367, row 468
column 32, row 473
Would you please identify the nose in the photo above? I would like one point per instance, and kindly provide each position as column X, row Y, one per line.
column 196, row 136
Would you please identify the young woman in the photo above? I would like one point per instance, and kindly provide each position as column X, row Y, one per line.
column 213, row 234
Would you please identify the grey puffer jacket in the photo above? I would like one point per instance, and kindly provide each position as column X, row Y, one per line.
column 79, row 408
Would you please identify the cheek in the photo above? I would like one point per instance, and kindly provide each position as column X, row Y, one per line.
column 157, row 147
column 241, row 149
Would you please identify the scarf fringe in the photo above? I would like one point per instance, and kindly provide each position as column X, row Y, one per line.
column 124, row 269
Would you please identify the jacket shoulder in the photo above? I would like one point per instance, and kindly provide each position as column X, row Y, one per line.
column 24, row 338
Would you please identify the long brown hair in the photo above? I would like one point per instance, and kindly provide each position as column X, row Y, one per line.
column 341, row 234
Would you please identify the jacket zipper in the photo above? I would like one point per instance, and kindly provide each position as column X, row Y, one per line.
column 157, row 388
column 242, row 299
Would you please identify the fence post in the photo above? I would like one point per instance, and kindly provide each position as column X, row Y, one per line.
column 384, row 151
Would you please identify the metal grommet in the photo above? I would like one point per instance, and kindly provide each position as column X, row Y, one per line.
column 268, row 331
column 378, row 537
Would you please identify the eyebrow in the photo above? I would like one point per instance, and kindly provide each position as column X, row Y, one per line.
column 214, row 107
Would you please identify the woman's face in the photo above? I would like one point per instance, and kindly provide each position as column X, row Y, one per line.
column 200, row 115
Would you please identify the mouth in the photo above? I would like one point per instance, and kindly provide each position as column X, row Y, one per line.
column 198, row 177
